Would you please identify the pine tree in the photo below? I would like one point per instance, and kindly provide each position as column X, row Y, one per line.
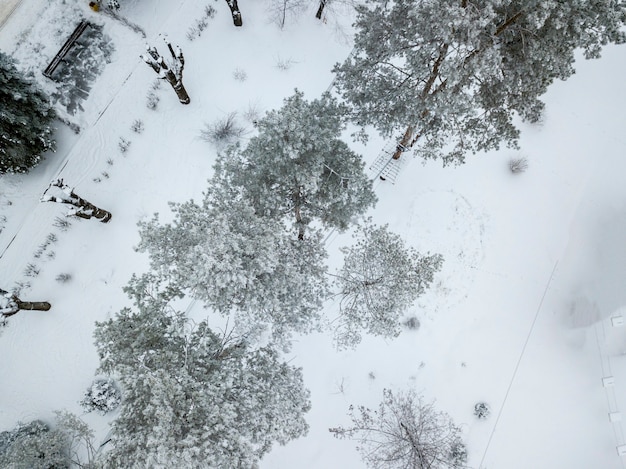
column 452, row 74
column 236, row 261
column 298, row 167
column 193, row 398
column 381, row 278
column 34, row 446
column 26, row 119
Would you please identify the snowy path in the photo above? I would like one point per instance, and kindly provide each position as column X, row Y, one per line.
column 7, row 7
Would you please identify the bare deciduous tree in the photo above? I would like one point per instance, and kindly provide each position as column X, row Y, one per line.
column 405, row 433
column 173, row 72
column 81, row 208
column 234, row 10
column 10, row 304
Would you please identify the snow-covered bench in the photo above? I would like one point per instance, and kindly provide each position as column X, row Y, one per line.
column 65, row 49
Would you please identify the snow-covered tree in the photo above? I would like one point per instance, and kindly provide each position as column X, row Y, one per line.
column 172, row 72
column 235, row 12
column 454, row 73
column 298, row 167
column 193, row 398
column 405, row 433
column 381, row 277
column 26, row 117
column 60, row 192
column 11, row 304
column 236, row 261
column 34, row 445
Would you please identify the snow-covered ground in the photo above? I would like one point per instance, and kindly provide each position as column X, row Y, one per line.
column 520, row 316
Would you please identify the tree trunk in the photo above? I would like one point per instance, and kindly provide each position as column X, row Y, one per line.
column 33, row 305
column 320, row 9
column 234, row 10
column 405, row 143
column 102, row 215
column 297, row 199
column 180, row 90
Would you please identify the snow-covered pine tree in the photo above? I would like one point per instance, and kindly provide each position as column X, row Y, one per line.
column 298, row 167
column 451, row 74
column 193, row 398
column 26, row 119
column 237, row 261
column 381, row 277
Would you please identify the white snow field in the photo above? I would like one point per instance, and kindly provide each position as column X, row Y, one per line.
column 525, row 314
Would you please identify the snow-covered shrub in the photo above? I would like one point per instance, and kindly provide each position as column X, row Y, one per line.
column 31, row 270
column 482, row 410
column 34, row 446
column 284, row 64
column 123, row 145
column 62, row 223
column 252, row 114
column 518, row 165
column 63, row 278
column 224, row 131
column 102, row 396
column 152, row 98
column 137, row 126
column 240, row 75
column 412, row 323
column 201, row 24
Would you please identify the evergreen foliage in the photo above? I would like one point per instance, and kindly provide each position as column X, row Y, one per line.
column 405, row 433
column 299, row 168
column 381, row 278
column 455, row 72
column 34, row 446
column 193, row 398
column 25, row 120
column 235, row 261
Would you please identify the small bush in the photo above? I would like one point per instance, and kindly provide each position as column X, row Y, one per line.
column 152, row 100
column 34, row 445
column 123, row 144
column 240, row 75
column 137, row 126
column 482, row 410
column 412, row 323
column 63, row 278
column 224, row 131
column 62, row 223
column 31, row 270
column 284, row 64
column 252, row 114
column 102, row 396
column 518, row 165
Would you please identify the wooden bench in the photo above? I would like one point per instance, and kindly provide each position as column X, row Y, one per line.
column 65, row 49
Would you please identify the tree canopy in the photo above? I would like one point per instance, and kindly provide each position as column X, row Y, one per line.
column 26, row 119
column 454, row 73
column 193, row 398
